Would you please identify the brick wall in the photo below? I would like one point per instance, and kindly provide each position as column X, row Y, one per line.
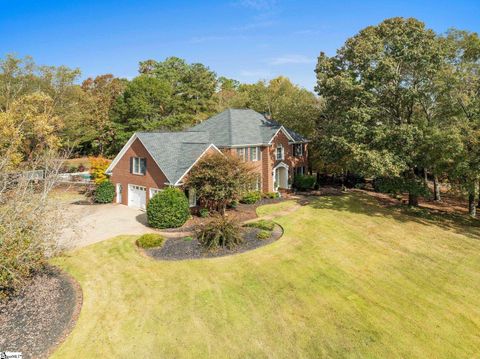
column 154, row 177
column 289, row 158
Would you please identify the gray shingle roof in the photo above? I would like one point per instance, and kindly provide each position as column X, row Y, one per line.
column 235, row 127
column 175, row 152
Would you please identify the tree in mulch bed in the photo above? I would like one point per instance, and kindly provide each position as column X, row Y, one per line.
column 168, row 209
column 219, row 232
column 220, row 179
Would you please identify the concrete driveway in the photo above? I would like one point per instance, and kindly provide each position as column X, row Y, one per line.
column 89, row 223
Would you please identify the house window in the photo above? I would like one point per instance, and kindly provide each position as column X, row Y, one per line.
column 300, row 170
column 192, row 197
column 139, row 165
column 254, row 153
column 241, row 153
column 154, row 191
column 258, row 183
column 298, row 150
column 280, row 153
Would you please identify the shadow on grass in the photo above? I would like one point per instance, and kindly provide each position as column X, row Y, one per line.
column 362, row 203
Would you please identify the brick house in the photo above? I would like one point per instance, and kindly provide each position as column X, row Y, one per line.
column 150, row 161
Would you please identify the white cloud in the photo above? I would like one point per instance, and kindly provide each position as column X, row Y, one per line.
column 291, row 59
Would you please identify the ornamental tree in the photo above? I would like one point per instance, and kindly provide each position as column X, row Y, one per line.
column 219, row 179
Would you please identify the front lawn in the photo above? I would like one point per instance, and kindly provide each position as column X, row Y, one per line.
column 349, row 278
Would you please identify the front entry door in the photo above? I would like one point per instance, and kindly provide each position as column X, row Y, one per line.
column 277, row 179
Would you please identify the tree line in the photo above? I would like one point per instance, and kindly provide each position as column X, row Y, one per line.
column 46, row 106
column 402, row 103
column 397, row 102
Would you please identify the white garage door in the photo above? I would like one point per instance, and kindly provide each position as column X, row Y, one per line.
column 137, row 196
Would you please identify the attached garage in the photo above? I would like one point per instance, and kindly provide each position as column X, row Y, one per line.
column 137, row 196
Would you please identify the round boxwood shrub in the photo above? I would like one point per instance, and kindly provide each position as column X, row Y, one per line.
column 168, row 209
column 251, row 197
column 150, row 240
column 105, row 192
column 264, row 234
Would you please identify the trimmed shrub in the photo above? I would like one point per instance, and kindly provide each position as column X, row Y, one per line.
column 168, row 209
column 262, row 224
column 304, row 183
column 219, row 232
column 150, row 240
column 271, row 195
column 263, row 234
column 204, row 213
column 105, row 192
column 251, row 197
column 233, row 204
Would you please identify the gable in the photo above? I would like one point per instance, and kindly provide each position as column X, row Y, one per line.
column 173, row 153
column 154, row 176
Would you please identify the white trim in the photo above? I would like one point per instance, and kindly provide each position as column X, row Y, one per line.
column 285, row 132
column 298, row 142
column 281, row 164
column 118, row 193
column 121, row 153
column 134, row 170
column 246, row 145
column 257, row 153
column 276, row 152
column 194, row 163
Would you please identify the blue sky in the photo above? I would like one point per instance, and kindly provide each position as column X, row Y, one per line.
column 243, row 39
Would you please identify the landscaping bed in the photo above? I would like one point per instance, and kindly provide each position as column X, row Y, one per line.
column 242, row 213
column 190, row 248
column 41, row 316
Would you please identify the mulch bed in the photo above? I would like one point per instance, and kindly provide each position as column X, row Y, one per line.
column 242, row 213
column 180, row 248
column 40, row 317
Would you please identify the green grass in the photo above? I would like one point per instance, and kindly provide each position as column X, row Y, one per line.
column 348, row 279
column 261, row 224
column 270, row 209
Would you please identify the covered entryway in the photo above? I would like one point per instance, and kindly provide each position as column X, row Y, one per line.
column 280, row 176
column 137, row 196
